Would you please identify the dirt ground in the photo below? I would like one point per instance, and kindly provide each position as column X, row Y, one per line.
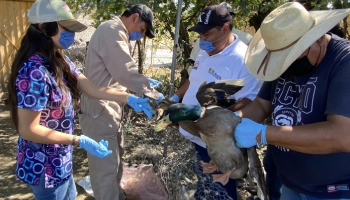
column 169, row 153
column 148, row 151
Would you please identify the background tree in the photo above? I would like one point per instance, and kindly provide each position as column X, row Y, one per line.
column 248, row 14
column 165, row 15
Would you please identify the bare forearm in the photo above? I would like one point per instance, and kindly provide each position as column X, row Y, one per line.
column 99, row 92
column 240, row 104
column 43, row 135
column 30, row 129
column 109, row 94
column 258, row 110
column 182, row 90
column 313, row 139
column 326, row 137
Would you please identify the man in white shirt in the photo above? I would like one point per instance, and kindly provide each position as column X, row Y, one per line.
column 221, row 57
column 243, row 36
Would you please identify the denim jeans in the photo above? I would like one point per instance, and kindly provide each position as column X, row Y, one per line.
column 206, row 188
column 66, row 191
column 272, row 182
column 288, row 194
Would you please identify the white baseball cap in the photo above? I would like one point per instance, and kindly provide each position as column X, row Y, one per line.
column 43, row 11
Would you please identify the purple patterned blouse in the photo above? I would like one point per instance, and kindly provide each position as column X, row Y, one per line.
column 37, row 90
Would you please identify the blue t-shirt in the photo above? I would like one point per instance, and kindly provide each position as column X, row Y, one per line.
column 37, row 90
column 306, row 100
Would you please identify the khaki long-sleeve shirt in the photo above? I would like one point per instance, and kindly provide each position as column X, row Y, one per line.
column 109, row 63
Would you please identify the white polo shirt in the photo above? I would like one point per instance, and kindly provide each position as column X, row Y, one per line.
column 228, row 64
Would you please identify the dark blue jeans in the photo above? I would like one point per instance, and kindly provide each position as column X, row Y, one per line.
column 66, row 191
column 206, row 188
column 272, row 181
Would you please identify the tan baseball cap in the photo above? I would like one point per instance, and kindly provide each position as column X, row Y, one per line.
column 43, row 11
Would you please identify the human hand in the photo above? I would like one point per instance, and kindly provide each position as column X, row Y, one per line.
column 175, row 98
column 154, row 83
column 161, row 97
column 97, row 149
column 246, row 132
column 140, row 105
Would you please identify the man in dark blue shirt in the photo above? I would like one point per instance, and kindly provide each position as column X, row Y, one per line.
column 307, row 94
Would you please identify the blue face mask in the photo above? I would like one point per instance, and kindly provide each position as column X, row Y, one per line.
column 67, row 39
column 135, row 35
column 208, row 45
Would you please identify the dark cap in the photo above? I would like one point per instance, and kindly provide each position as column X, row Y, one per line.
column 210, row 17
column 146, row 15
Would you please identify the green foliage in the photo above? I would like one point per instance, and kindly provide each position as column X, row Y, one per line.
column 165, row 15
column 165, row 10
column 249, row 13
column 322, row 5
column 163, row 75
column 339, row 4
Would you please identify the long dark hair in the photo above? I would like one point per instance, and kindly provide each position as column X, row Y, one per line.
column 38, row 40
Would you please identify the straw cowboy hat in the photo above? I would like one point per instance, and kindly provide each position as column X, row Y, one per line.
column 284, row 35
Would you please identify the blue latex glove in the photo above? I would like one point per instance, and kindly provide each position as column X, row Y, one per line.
column 175, row 98
column 161, row 97
column 154, row 83
column 140, row 105
column 246, row 132
column 97, row 149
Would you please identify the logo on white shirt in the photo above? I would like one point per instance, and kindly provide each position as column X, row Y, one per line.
column 195, row 66
column 215, row 74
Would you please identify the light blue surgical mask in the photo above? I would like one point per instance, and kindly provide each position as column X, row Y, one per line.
column 135, row 35
column 67, row 39
column 208, row 45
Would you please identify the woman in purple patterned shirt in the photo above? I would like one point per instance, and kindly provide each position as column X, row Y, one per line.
column 44, row 88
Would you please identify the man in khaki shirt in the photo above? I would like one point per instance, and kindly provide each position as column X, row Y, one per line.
column 109, row 63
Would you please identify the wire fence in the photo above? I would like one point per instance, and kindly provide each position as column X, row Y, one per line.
column 155, row 55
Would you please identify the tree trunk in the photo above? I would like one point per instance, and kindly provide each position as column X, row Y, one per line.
column 141, row 54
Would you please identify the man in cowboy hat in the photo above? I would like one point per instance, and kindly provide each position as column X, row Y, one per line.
column 109, row 63
column 307, row 91
column 221, row 57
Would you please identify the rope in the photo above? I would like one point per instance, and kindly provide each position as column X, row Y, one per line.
column 265, row 62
